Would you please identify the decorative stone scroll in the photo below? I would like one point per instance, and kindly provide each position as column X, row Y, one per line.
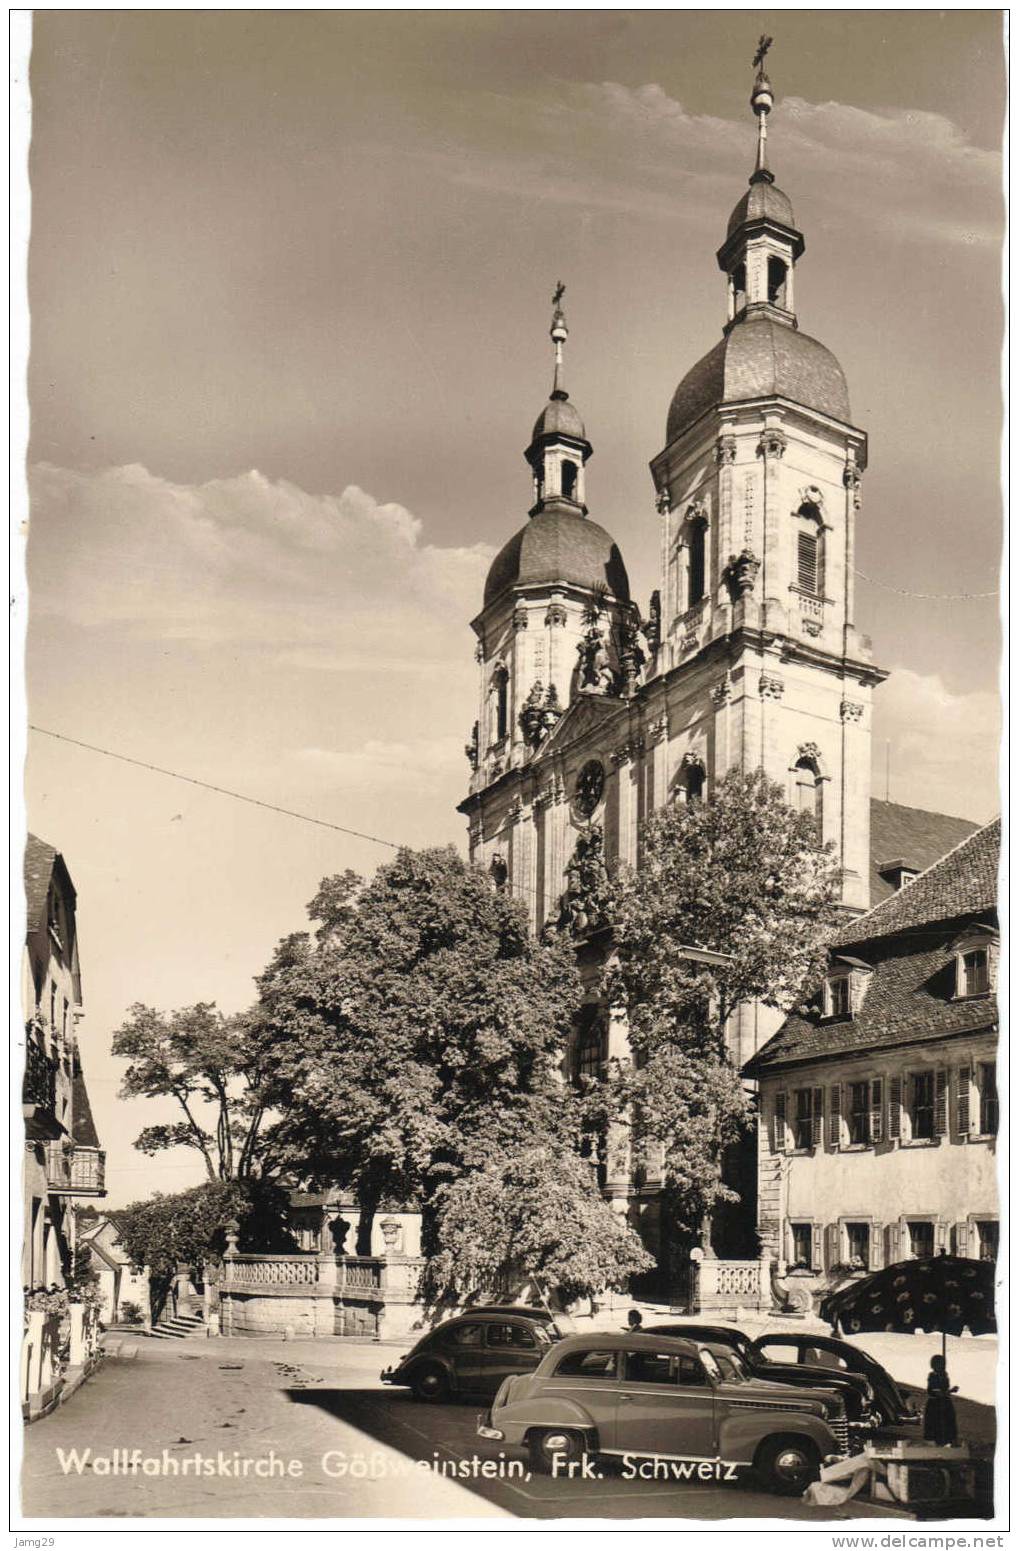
column 556, row 614
column 741, row 574
column 721, row 692
column 770, row 686
column 725, row 450
column 851, row 480
column 520, row 617
column 851, row 711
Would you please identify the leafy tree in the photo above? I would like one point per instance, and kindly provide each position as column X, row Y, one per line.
column 183, row 1228
column 419, row 1035
column 202, row 1060
column 536, row 1214
column 742, row 875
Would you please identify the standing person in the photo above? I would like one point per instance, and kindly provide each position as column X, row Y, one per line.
column 939, row 1425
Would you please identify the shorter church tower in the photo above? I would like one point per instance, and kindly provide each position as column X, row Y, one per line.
column 552, row 632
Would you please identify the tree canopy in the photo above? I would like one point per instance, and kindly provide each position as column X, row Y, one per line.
column 744, row 876
column 536, row 1214
column 419, row 1034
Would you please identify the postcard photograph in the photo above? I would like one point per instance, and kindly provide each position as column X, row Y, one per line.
column 507, row 535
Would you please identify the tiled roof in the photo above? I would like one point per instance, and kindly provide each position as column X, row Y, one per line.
column 559, row 546
column 962, row 883
column 760, row 358
column 910, row 835
column 84, row 1133
column 39, row 860
column 907, row 941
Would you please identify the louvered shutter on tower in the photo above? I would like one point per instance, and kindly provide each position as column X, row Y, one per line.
column 806, row 562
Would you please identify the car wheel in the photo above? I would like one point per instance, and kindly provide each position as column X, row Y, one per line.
column 788, row 1465
column 430, row 1383
column 553, row 1444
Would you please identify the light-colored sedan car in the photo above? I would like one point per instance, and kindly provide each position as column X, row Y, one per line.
column 685, row 1405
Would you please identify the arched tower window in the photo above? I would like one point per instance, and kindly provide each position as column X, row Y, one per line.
column 777, row 274
column 697, row 563
column 810, row 550
column 739, row 288
column 569, row 477
column 808, row 791
column 500, row 703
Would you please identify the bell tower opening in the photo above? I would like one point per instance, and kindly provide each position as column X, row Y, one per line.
column 777, row 274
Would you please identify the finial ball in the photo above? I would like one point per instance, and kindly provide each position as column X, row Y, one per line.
column 762, row 99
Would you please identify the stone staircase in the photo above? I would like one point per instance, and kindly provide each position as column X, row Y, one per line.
column 177, row 1327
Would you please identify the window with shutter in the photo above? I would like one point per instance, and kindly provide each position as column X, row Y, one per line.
column 831, row 1234
column 895, row 1109
column 877, row 1246
column 817, row 1251
column 941, row 1102
column 963, row 1107
column 835, row 1116
column 877, row 1110
column 778, row 1140
column 892, row 1243
column 806, row 562
column 960, row 1239
column 941, row 1237
column 817, row 1132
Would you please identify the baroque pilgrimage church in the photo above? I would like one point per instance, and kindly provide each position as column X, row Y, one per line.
column 591, row 714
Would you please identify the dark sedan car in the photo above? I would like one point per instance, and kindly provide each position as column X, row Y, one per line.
column 854, row 1388
column 822, row 1357
column 472, row 1354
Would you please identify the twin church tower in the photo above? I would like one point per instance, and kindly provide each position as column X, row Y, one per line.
column 590, row 713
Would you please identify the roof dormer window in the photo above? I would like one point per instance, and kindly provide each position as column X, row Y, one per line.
column 837, row 996
column 845, row 987
column 898, row 872
column 976, row 963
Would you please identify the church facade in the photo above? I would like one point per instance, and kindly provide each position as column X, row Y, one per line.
column 592, row 713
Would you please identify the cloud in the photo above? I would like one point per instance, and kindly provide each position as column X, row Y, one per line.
column 637, row 149
column 945, row 746
column 341, row 583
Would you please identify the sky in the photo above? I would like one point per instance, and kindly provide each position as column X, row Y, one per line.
column 289, row 278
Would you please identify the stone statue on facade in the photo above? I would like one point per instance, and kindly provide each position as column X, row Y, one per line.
column 596, row 673
column 471, row 748
column 583, row 904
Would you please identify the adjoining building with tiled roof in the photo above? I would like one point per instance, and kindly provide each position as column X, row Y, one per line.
column 878, row 1098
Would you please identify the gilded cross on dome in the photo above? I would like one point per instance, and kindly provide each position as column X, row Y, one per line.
column 558, row 294
column 763, row 45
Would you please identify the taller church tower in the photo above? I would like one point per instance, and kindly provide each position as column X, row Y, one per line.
column 759, row 489
column 590, row 717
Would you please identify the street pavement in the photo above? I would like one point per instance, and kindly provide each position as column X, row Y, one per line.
column 339, row 1445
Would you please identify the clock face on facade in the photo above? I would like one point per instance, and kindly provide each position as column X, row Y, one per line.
column 590, row 785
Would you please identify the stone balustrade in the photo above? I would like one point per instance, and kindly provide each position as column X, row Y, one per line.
column 723, row 1286
column 40, row 1362
column 310, row 1294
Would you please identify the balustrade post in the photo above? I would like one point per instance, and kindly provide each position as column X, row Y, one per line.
column 78, row 1354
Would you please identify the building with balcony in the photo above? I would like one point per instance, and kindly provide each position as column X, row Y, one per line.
column 878, row 1096
column 64, row 1162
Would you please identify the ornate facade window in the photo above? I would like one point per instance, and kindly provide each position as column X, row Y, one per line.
column 808, row 790
column 500, row 702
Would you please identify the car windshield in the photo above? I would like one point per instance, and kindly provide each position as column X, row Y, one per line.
column 727, row 1364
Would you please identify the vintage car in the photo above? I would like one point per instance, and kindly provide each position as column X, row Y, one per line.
column 473, row 1353
column 686, row 1403
column 824, row 1358
column 854, row 1388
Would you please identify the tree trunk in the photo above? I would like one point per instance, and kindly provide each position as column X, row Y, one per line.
column 368, row 1205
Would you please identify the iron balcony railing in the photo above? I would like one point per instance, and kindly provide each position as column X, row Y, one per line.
column 75, row 1171
column 39, row 1089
